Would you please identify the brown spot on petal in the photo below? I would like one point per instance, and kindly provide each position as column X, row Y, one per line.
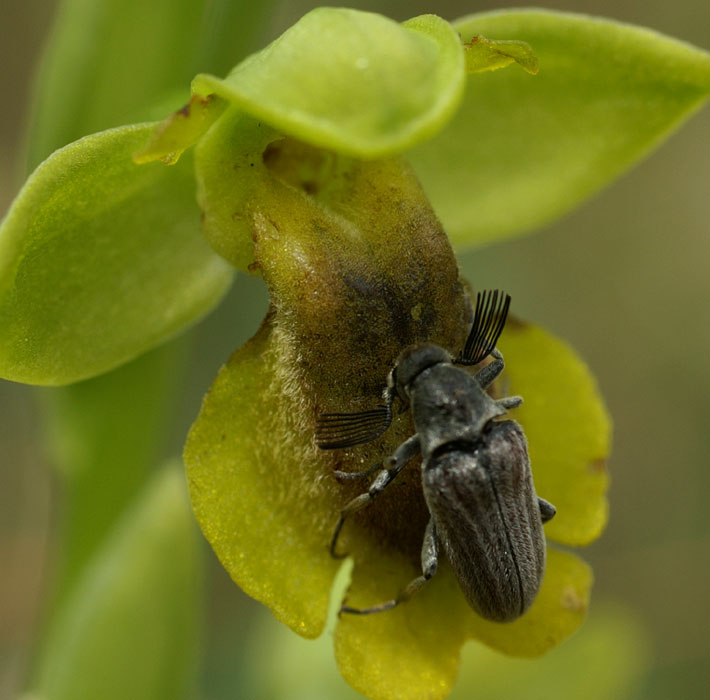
column 571, row 600
column 597, row 466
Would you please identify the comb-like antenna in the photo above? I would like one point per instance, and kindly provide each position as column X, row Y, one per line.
column 336, row 430
column 488, row 322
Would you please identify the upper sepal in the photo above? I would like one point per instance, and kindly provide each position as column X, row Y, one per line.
column 354, row 82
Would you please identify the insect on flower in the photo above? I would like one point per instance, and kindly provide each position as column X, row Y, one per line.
column 476, row 473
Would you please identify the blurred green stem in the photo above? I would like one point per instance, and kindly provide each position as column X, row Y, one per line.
column 106, row 60
column 104, row 436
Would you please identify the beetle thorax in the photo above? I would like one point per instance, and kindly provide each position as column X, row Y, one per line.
column 450, row 408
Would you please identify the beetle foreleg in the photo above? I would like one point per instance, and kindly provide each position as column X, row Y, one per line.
column 430, row 563
column 486, row 376
column 357, row 475
column 510, row 402
column 402, row 456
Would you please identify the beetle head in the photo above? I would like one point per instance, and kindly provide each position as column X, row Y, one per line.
column 413, row 361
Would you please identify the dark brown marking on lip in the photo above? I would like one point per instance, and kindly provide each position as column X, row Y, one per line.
column 597, row 466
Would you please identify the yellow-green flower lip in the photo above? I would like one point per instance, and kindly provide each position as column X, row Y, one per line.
column 354, row 277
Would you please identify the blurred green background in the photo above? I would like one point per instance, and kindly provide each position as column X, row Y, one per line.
column 624, row 279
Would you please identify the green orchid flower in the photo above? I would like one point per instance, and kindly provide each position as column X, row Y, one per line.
column 314, row 165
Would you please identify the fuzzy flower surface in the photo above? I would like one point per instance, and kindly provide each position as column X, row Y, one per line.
column 340, row 163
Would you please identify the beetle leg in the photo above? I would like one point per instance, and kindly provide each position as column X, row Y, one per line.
column 547, row 510
column 510, row 402
column 488, row 374
column 357, row 475
column 394, row 465
column 430, row 563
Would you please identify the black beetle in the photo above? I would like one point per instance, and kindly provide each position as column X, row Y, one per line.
column 476, row 474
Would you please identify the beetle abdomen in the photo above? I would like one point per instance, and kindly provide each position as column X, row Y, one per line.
column 487, row 517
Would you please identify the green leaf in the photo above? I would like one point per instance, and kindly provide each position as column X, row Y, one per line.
column 522, row 150
column 129, row 630
column 351, row 81
column 100, row 259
